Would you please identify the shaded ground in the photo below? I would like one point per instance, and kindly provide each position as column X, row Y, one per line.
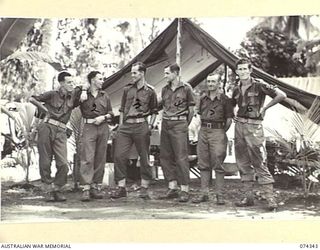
column 29, row 205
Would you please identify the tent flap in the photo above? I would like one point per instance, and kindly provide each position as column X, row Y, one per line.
column 201, row 54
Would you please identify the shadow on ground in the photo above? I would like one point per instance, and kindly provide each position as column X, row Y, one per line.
column 27, row 204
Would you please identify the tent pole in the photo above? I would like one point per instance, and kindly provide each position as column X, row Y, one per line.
column 225, row 78
column 178, row 52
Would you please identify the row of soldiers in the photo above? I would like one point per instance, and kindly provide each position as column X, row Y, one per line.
column 138, row 111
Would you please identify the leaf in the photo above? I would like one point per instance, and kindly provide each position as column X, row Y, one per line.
column 26, row 113
column 12, row 32
column 35, row 56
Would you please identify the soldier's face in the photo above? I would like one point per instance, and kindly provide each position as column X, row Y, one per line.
column 243, row 71
column 97, row 81
column 213, row 82
column 136, row 74
column 168, row 75
column 67, row 83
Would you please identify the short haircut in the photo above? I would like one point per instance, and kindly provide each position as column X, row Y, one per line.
column 173, row 68
column 63, row 75
column 141, row 66
column 92, row 75
column 244, row 61
column 215, row 74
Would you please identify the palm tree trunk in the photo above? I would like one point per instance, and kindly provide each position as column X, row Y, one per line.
column 48, row 34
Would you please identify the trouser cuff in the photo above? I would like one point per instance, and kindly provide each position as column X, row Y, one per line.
column 122, row 183
column 185, row 188
column 173, row 184
column 145, row 183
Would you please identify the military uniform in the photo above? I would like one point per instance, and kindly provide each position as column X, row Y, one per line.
column 94, row 139
column 52, row 137
column 136, row 106
column 174, row 132
column 250, row 149
column 212, row 140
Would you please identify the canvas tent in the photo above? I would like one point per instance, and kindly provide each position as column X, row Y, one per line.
column 201, row 54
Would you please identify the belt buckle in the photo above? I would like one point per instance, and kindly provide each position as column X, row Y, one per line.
column 209, row 125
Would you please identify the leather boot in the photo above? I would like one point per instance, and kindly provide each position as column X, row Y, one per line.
column 58, row 196
column 248, row 200
column 95, row 194
column 220, row 199
column 270, row 197
column 183, row 196
column 119, row 193
column 85, row 195
column 200, row 198
column 170, row 194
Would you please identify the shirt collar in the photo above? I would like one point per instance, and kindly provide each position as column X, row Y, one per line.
column 100, row 92
column 145, row 86
column 179, row 85
column 64, row 94
column 217, row 95
column 250, row 84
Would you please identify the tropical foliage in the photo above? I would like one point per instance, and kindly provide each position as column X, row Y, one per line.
column 22, row 118
column 284, row 46
column 297, row 156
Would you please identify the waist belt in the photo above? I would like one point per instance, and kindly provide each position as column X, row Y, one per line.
column 176, row 118
column 55, row 123
column 247, row 120
column 89, row 120
column 213, row 125
column 136, row 120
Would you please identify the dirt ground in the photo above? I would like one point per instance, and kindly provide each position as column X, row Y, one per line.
column 23, row 204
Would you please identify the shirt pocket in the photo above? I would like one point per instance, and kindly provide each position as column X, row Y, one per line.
column 180, row 100
column 144, row 100
column 218, row 112
column 253, row 98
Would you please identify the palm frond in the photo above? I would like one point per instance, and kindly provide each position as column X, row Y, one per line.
column 26, row 113
column 36, row 57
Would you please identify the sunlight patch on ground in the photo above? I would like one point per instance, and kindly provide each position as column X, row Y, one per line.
column 48, row 208
column 32, row 198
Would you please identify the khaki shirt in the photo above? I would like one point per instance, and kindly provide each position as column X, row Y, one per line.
column 216, row 110
column 253, row 99
column 177, row 102
column 136, row 103
column 59, row 105
column 96, row 106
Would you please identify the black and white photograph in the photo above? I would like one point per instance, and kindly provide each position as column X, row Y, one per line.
column 160, row 118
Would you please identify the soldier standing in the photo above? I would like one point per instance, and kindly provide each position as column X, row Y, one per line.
column 250, row 150
column 139, row 101
column 216, row 112
column 52, row 136
column 178, row 108
column 96, row 111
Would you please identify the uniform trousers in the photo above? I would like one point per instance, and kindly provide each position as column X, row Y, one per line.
column 174, row 151
column 94, row 140
column 250, row 153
